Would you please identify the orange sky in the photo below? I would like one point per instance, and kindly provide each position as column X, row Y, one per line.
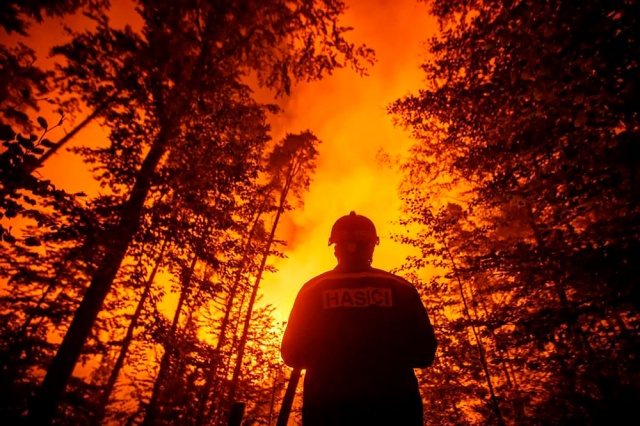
column 347, row 112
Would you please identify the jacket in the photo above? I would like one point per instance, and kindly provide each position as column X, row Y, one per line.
column 359, row 334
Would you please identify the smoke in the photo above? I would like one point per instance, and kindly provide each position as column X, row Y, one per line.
column 348, row 113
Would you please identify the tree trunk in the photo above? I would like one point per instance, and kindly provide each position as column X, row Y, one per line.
column 289, row 395
column 8, row 359
column 126, row 342
column 481, row 353
column 211, row 371
column 42, row 409
column 502, row 352
column 265, row 255
column 166, row 357
column 217, row 405
column 66, row 138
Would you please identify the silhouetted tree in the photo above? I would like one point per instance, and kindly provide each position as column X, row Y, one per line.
column 530, row 114
column 290, row 167
column 187, row 53
column 18, row 15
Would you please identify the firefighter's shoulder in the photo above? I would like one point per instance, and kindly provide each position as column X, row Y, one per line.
column 371, row 274
column 382, row 274
column 313, row 282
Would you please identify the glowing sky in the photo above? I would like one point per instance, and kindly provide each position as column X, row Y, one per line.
column 347, row 112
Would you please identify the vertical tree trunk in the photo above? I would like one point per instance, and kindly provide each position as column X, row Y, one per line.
column 42, row 409
column 217, row 402
column 126, row 342
column 211, row 371
column 272, row 401
column 503, row 353
column 166, row 357
column 481, row 353
column 256, row 286
column 289, row 395
column 8, row 359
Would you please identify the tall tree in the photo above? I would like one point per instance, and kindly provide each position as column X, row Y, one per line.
column 291, row 165
column 530, row 112
column 187, row 53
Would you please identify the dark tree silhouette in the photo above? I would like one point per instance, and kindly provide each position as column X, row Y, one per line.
column 189, row 58
column 290, row 166
column 529, row 117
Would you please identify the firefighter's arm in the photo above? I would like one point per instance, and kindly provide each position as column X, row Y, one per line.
column 296, row 343
column 425, row 343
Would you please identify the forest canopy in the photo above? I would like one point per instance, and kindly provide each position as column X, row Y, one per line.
column 140, row 303
column 193, row 190
column 523, row 186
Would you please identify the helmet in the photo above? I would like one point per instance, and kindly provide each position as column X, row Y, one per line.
column 353, row 227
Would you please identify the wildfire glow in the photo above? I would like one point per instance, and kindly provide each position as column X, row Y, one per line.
column 347, row 112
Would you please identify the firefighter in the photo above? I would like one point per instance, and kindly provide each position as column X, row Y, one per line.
column 359, row 332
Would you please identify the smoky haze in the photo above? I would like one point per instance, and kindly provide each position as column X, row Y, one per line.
column 348, row 114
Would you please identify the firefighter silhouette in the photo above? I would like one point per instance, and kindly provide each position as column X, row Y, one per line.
column 359, row 332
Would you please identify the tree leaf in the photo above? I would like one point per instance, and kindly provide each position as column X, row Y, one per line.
column 8, row 238
column 26, row 143
column 42, row 122
column 6, row 132
column 16, row 115
column 32, row 242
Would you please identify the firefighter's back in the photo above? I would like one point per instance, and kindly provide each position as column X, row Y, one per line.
column 363, row 327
